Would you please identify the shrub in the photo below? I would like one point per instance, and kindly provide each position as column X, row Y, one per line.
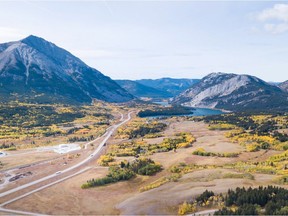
column 105, row 159
column 145, row 166
column 202, row 152
column 125, row 172
column 221, row 127
column 239, row 175
column 186, row 208
column 115, row 174
column 149, row 169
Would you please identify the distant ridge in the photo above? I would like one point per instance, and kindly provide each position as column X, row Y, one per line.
column 139, row 90
column 34, row 69
column 284, row 86
column 234, row 92
column 172, row 86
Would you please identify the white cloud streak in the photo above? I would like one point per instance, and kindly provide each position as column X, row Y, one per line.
column 277, row 16
column 278, row 12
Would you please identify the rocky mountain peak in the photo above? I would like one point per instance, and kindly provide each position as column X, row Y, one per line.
column 34, row 69
column 233, row 92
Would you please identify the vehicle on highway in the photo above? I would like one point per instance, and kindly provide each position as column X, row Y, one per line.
column 57, row 173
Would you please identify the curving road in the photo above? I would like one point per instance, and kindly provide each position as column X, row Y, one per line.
column 107, row 135
column 121, row 119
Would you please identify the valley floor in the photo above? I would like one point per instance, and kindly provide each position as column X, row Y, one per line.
column 125, row 197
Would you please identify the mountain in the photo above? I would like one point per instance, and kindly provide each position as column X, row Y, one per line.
column 34, row 69
column 234, row 92
column 275, row 83
column 284, row 86
column 140, row 90
column 170, row 85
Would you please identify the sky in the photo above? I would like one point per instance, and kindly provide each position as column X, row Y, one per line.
column 154, row 39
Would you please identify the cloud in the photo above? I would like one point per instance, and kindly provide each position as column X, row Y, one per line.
column 275, row 19
column 278, row 12
column 276, row 28
column 8, row 34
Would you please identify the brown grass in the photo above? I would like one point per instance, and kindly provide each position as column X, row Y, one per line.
column 124, row 197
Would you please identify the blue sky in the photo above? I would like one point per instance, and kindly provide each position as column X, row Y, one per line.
column 153, row 39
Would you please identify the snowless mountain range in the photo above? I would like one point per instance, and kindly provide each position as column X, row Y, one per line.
column 284, row 86
column 35, row 70
column 157, row 88
column 234, row 92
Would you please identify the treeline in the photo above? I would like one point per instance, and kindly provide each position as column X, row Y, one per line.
column 280, row 136
column 115, row 174
column 202, row 152
column 145, row 129
column 80, row 139
column 254, row 127
column 269, row 200
column 206, row 199
column 166, row 111
column 125, row 171
column 105, row 115
column 242, row 120
column 249, row 121
column 17, row 117
column 136, row 148
column 29, row 116
column 6, row 146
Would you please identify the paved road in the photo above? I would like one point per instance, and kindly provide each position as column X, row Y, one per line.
column 16, row 212
column 89, row 158
column 121, row 119
column 43, row 187
column 206, row 212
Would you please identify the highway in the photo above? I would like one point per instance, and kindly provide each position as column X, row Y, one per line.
column 43, row 187
column 88, row 143
column 91, row 157
column 16, row 212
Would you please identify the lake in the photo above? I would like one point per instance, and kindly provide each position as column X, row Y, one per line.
column 196, row 112
column 205, row 111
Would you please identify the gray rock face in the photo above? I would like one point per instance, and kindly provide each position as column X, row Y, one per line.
column 36, row 70
column 284, row 86
column 233, row 92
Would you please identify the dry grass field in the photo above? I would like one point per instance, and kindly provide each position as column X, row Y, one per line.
column 125, row 198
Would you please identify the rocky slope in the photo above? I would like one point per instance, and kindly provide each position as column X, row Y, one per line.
column 284, row 86
column 34, row 69
column 234, row 92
